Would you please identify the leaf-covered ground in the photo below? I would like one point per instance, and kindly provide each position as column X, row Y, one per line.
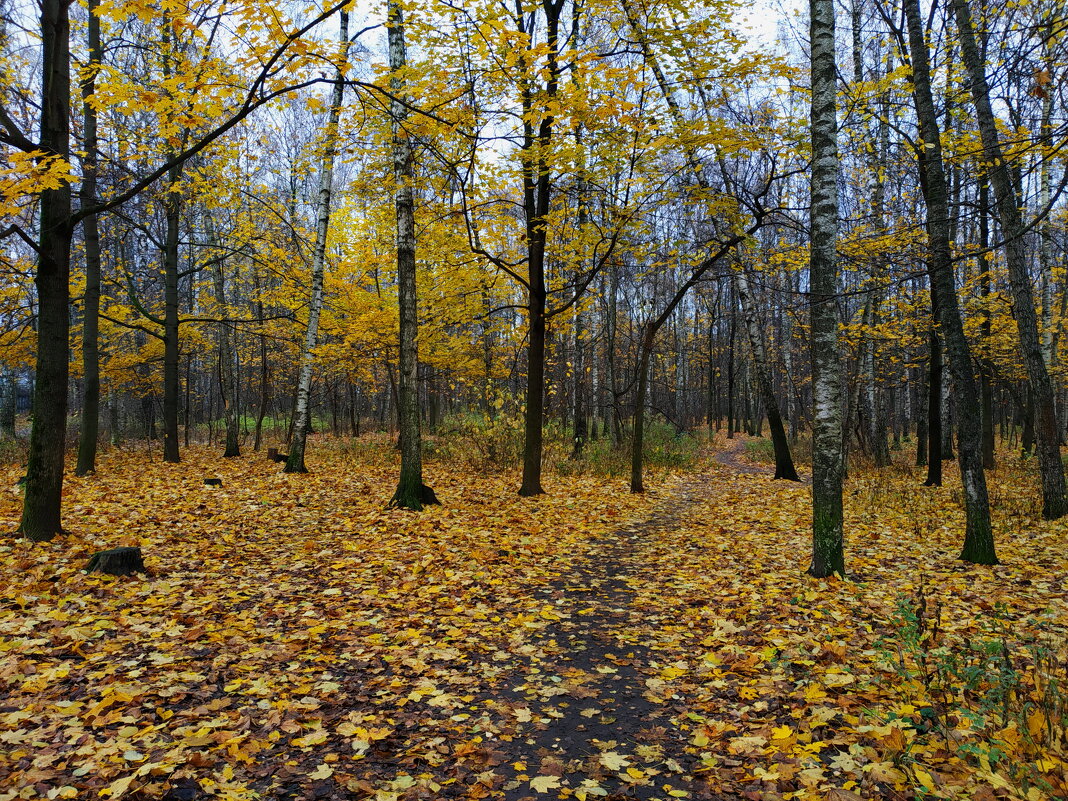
column 299, row 640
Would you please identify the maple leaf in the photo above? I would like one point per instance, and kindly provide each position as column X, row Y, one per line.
column 324, row 771
column 613, row 760
column 543, row 784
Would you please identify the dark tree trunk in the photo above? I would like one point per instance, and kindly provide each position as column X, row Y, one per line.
column 1027, row 432
column 172, row 383
column 409, row 493
column 920, row 394
column 9, row 389
column 978, row 536
column 536, row 189
column 986, row 369
column 947, row 419
column 934, row 410
column 535, row 396
column 638, row 435
column 730, row 379
column 41, row 508
column 1054, row 502
column 227, row 370
column 784, row 463
column 90, row 429
column 265, row 376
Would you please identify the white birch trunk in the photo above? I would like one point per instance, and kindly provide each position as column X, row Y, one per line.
column 295, row 462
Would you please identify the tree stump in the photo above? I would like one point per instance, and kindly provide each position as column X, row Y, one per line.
column 117, row 562
column 213, row 482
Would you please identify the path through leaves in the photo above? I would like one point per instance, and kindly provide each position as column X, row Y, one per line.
column 298, row 641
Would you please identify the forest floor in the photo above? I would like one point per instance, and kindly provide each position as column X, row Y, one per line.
column 298, row 640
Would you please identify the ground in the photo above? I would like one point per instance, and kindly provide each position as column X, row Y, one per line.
column 297, row 639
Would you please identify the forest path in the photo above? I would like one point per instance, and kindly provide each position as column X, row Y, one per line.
column 732, row 456
column 594, row 711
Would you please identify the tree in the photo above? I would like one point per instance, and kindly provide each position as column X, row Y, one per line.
column 411, row 493
column 978, row 536
column 784, row 463
column 87, row 437
column 44, row 468
column 828, row 554
column 1054, row 501
column 302, row 410
column 227, row 368
column 42, row 504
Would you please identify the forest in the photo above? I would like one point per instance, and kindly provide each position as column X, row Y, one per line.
column 533, row 399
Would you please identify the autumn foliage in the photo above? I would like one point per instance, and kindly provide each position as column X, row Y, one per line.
column 298, row 639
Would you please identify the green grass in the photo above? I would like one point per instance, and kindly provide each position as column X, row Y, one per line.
column 663, row 449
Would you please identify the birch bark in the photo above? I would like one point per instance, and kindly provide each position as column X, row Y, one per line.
column 295, row 462
column 828, row 552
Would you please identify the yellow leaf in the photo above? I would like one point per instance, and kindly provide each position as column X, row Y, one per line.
column 924, row 778
column 313, row 738
column 614, row 761
column 324, row 771
column 119, row 787
column 543, row 784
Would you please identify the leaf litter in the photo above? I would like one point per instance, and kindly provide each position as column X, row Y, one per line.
column 296, row 639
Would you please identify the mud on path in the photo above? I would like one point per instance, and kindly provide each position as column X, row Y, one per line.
column 590, row 704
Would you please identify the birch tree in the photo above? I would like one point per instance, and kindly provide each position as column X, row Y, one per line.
column 828, row 554
column 302, row 412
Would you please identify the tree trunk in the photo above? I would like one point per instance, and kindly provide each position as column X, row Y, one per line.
column 172, row 383
column 986, row 368
column 535, row 395
column 919, row 394
column 1054, row 503
column 828, row 556
column 947, row 419
column 9, row 389
column 41, row 508
column 536, row 189
column 90, row 428
column 730, row 378
column 978, row 536
column 934, row 408
column 610, row 359
column 302, row 410
column 1027, row 430
column 784, row 463
column 579, row 427
column 409, row 494
column 227, row 357
column 114, row 422
column 638, row 435
column 265, row 375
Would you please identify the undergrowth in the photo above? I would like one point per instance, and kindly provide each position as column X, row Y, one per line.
column 995, row 697
column 762, row 450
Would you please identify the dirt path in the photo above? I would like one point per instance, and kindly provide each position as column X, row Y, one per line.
column 589, row 714
column 732, row 457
